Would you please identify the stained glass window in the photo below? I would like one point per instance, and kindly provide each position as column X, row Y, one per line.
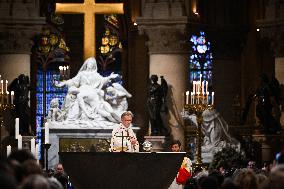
column 200, row 58
column 51, row 92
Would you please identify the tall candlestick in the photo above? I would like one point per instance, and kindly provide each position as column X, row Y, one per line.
column 191, row 97
column 20, row 142
column 193, row 87
column 9, row 149
column 200, row 78
column 212, row 98
column 187, row 97
column 33, row 146
column 46, row 133
column 17, row 128
column 206, row 86
column 12, row 97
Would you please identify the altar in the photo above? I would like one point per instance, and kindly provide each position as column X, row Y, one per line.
column 123, row 170
column 74, row 139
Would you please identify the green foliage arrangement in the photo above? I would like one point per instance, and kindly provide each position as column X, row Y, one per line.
column 227, row 158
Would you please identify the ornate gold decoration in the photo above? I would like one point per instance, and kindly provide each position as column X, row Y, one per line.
column 113, row 40
column 198, row 109
column 199, row 102
column 89, row 8
column 105, row 40
column 104, row 49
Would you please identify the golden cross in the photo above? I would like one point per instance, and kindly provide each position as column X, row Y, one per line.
column 89, row 8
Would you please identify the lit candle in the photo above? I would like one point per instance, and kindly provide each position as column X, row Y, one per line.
column 9, row 149
column 60, row 71
column 200, row 78
column 2, row 87
column 206, row 86
column 193, row 87
column 202, row 86
column 198, row 87
column 191, row 97
column 64, row 72
column 68, row 72
column 12, row 97
column 187, row 97
column 46, row 133
column 6, row 86
column 33, row 146
column 8, row 97
column 212, row 98
column 207, row 95
column 17, row 128
column 20, row 142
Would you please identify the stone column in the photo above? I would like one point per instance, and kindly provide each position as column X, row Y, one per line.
column 19, row 22
column 271, row 27
column 164, row 23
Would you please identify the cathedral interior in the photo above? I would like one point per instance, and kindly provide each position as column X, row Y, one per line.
column 243, row 42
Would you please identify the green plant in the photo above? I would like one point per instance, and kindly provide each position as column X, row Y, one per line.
column 227, row 158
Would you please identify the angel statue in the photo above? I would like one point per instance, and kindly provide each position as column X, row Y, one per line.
column 156, row 100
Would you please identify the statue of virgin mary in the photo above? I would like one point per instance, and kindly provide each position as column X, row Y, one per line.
column 85, row 99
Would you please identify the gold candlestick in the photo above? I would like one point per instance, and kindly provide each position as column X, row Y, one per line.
column 199, row 102
column 198, row 109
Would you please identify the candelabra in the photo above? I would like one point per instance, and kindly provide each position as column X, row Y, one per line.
column 200, row 100
column 6, row 103
column 64, row 72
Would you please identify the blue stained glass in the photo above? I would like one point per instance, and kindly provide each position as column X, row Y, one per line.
column 194, row 39
column 51, row 92
column 200, row 59
column 38, row 139
column 194, row 75
column 195, row 65
column 208, row 64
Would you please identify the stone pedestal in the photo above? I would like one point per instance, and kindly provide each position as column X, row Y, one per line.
column 157, row 142
column 164, row 23
column 266, row 150
column 70, row 139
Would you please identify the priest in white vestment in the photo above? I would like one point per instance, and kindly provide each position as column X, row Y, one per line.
column 123, row 138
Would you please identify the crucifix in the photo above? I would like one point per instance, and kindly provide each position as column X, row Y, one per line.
column 89, row 8
column 122, row 137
